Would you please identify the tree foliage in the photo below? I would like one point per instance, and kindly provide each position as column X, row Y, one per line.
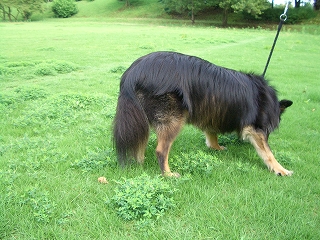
column 253, row 7
column 182, row 6
column 192, row 7
column 25, row 8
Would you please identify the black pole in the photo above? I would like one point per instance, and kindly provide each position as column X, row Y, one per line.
column 274, row 44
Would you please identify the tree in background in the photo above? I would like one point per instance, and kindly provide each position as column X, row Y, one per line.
column 188, row 6
column 194, row 6
column 316, row 4
column 5, row 8
column 253, row 7
column 27, row 7
column 128, row 2
column 297, row 3
column 23, row 7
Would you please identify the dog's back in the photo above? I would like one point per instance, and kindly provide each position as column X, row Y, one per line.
column 232, row 99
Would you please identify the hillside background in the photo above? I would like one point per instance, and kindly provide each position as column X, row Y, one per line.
column 158, row 10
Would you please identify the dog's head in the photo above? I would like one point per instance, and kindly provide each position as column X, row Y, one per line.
column 284, row 104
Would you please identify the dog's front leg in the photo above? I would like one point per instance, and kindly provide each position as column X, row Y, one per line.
column 259, row 141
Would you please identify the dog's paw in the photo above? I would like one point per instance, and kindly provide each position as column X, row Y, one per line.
column 171, row 174
column 221, row 148
column 216, row 147
column 283, row 172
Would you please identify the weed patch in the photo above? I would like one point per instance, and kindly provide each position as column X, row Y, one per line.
column 37, row 68
column 198, row 162
column 55, row 113
column 119, row 69
column 5, row 71
column 80, row 102
column 27, row 94
column 64, row 66
column 52, row 68
column 229, row 139
column 7, row 178
column 33, row 153
column 142, row 198
column 41, row 206
column 6, row 100
column 95, row 160
column 45, row 69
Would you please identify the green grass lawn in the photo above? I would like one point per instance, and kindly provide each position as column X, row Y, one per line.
column 59, row 82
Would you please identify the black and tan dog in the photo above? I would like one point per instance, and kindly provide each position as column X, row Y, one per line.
column 165, row 90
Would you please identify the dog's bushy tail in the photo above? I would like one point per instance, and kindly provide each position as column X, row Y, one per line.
column 131, row 129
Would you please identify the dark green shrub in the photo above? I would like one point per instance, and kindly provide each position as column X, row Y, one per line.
column 298, row 14
column 64, row 67
column 31, row 93
column 294, row 15
column 64, row 8
column 6, row 71
column 272, row 14
column 45, row 69
column 52, row 68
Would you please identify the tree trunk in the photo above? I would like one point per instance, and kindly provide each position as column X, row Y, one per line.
column 3, row 12
column 225, row 17
column 316, row 4
column 297, row 3
column 9, row 14
column 192, row 13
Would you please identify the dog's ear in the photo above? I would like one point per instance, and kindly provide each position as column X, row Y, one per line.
column 284, row 104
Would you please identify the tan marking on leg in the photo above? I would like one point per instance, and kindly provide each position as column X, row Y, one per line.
column 140, row 155
column 258, row 140
column 163, row 149
column 166, row 135
column 212, row 141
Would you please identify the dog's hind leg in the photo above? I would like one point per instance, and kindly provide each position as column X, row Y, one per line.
column 166, row 134
column 212, row 141
column 139, row 155
column 259, row 141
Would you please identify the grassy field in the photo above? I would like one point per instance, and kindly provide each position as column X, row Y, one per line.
column 59, row 82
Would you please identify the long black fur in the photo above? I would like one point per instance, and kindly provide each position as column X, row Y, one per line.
column 215, row 99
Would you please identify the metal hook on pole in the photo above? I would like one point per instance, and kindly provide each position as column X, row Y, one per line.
column 283, row 16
